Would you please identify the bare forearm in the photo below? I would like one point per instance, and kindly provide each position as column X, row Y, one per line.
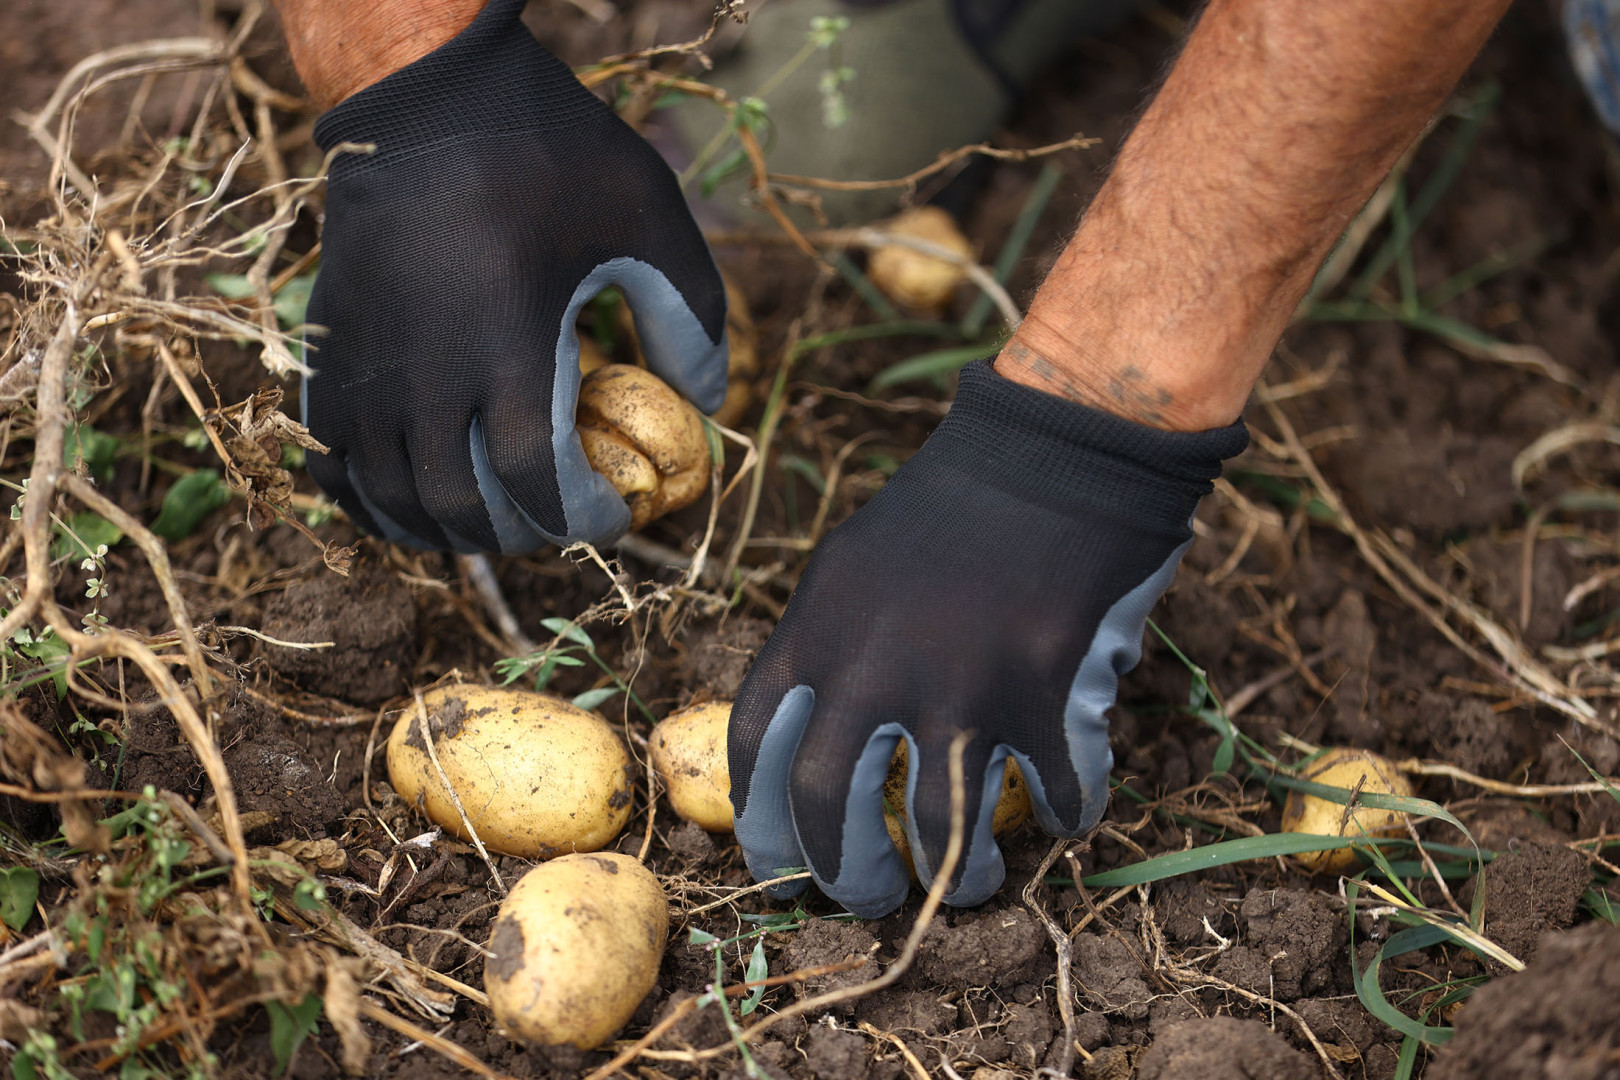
column 341, row 46
column 1275, row 125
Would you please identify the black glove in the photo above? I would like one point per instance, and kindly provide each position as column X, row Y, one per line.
column 502, row 196
column 998, row 584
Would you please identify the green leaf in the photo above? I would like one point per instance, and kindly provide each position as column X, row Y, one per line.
column 230, row 286
column 290, row 1025
column 566, row 628
column 83, row 534
column 19, row 888
column 96, row 450
column 293, row 300
column 1599, row 777
column 933, row 364
column 1372, row 994
column 1222, row 853
column 700, row 937
column 758, row 968
column 1405, row 803
column 192, row 498
column 590, row 699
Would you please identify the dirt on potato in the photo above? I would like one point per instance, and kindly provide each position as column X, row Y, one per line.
column 1240, row 970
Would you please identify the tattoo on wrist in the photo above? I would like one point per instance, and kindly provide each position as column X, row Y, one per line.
column 1130, row 392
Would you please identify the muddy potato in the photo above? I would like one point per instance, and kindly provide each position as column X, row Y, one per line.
column 575, row 947
column 1013, row 808
column 1345, row 768
column 920, row 282
column 645, row 438
column 688, row 749
column 537, row 777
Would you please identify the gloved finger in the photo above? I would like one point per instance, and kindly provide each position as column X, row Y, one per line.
column 836, row 791
column 382, row 474
column 532, row 459
column 1067, row 764
column 446, row 485
column 762, row 739
column 331, row 472
column 979, row 869
column 679, row 304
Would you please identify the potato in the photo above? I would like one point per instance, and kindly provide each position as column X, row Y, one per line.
column 1013, row 808
column 743, row 364
column 1343, row 767
column 575, row 947
column 538, row 777
column 591, row 355
column 688, row 749
column 911, row 279
column 645, row 438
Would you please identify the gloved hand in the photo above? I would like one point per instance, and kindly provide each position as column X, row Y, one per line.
column 502, row 196
column 998, row 584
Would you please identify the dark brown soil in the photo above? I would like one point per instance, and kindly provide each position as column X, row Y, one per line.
column 1221, row 1048
column 370, row 623
column 1555, row 1020
column 1417, row 437
column 1530, row 891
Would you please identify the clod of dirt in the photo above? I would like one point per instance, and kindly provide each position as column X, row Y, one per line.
column 992, row 949
column 1221, row 1048
column 1110, row 976
column 1028, row 1030
column 1182, row 905
column 1556, row 1019
column 1528, row 892
column 1109, row 1063
column 831, row 1054
column 820, row 943
column 1503, row 827
column 691, row 843
column 370, row 620
column 719, row 657
column 913, row 1012
column 274, row 774
column 1301, row 934
column 1342, row 1024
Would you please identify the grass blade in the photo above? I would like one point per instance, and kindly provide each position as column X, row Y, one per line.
column 933, row 364
column 1013, row 248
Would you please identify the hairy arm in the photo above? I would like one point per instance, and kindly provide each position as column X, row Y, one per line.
column 1271, row 131
column 341, row 46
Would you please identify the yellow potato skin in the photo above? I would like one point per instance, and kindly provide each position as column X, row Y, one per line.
column 688, row 749
column 576, row 947
column 538, row 777
column 645, row 438
column 1013, row 807
column 1344, row 767
column 914, row 280
column 742, row 364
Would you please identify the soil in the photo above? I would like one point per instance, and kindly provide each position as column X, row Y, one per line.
column 1554, row 1019
column 1418, row 437
column 1221, row 1048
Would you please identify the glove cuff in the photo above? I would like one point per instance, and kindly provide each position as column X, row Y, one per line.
column 493, row 78
column 1057, row 451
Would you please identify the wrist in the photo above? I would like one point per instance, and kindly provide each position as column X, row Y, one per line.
column 1112, row 366
column 342, row 46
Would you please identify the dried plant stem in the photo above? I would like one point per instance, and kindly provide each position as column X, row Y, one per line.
column 1517, row 668
column 433, row 754
column 1064, row 945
